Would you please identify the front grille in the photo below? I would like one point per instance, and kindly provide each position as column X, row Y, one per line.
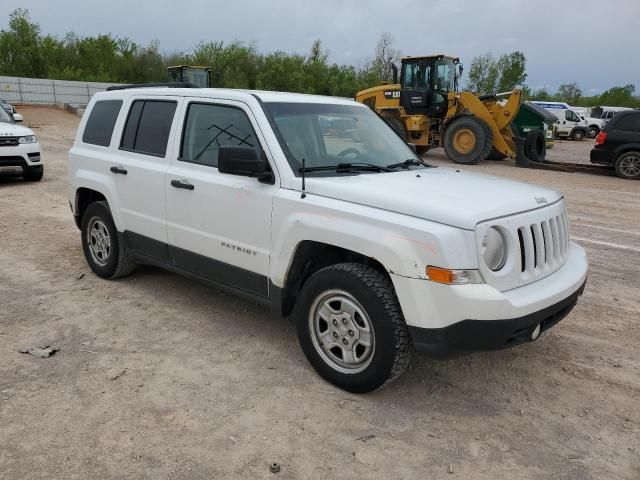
column 543, row 245
column 9, row 141
column 537, row 245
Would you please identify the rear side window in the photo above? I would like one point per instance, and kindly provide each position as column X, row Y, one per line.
column 148, row 127
column 209, row 127
column 630, row 123
column 102, row 119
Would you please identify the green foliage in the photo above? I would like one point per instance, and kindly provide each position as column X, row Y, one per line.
column 26, row 52
column 488, row 75
column 570, row 93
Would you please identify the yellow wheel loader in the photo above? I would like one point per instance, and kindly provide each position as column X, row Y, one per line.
column 426, row 109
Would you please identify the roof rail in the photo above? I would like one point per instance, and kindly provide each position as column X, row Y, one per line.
column 151, row 85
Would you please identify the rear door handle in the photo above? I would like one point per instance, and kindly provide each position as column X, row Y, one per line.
column 182, row 184
column 119, row 170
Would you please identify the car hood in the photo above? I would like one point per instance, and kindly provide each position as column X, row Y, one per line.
column 13, row 130
column 444, row 195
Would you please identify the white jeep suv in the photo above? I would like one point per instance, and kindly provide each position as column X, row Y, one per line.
column 314, row 206
column 19, row 148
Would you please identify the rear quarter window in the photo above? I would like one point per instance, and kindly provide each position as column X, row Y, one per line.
column 102, row 119
column 148, row 127
column 628, row 123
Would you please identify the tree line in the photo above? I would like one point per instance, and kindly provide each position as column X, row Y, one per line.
column 25, row 51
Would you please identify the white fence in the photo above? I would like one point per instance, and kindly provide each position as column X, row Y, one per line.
column 48, row 92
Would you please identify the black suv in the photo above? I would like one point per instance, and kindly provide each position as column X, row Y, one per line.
column 618, row 145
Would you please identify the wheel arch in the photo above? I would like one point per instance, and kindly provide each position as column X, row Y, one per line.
column 311, row 256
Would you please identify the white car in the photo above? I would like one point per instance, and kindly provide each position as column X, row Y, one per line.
column 19, row 147
column 372, row 251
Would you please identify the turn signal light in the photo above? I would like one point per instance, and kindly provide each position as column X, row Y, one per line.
column 453, row 277
column 601, row 138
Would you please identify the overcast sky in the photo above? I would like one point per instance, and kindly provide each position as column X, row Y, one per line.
column 593, row 42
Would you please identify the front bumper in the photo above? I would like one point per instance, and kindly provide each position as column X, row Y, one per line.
column 477, row 335
column 24, row 155
column 447, row 321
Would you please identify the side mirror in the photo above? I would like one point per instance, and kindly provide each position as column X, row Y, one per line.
column 460, row 69
column 245, row 162
column 17, row 117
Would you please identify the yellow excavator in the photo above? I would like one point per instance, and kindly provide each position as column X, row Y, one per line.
column 425, row 108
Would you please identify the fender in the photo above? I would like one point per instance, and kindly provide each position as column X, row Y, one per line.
column 404, row 245
column 103, row 184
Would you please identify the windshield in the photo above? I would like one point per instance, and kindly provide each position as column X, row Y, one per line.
column 5, row 116
column 326, row 135
column 199, row 77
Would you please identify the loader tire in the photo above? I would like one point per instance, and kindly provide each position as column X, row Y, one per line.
column 467, row 140
column 397, row 126
column 535, row 148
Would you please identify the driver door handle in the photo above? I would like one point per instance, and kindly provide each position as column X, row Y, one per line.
column 182, row 184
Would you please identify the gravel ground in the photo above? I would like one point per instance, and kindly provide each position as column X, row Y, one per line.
column 161, row 377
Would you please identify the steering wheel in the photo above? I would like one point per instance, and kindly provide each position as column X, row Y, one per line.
column 350, row 151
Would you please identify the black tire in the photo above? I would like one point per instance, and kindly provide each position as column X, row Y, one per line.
column 577, row 135
column 421, row 149
column 496, row 155
column 593, row 131
column 33, row 174
column 116, row 260
column 397, row 126
column 628, row 165
column 483, row 139
column 535, row 148
column 373, row 291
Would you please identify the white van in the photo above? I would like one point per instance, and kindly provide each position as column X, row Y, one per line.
column 570, row 124
column 604, row 113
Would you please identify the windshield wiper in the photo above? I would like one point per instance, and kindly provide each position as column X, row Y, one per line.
column 407, row 163
column 346, row 167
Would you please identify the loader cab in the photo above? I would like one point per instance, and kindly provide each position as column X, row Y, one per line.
column 200, row 76
column 425, row 83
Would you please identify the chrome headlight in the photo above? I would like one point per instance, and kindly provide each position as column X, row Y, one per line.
column 494, row 249
column 28, row 139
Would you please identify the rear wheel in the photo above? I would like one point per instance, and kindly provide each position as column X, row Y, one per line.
column 593, row 131
column 535, row 148
column 628, row 165
column 105, row 254
column 351, row 328
column 467, row 140
column 578, row 135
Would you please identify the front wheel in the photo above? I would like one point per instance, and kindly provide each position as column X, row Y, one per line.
column 351, row 328
column 33, row 174
column 467, row 140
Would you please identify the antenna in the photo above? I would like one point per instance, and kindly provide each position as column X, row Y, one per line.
column 303, row 195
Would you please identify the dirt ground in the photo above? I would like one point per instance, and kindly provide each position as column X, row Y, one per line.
column 211, row 386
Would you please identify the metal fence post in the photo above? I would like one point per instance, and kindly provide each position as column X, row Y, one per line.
column 55, row 98
column 88, row 94
column 20, row 90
